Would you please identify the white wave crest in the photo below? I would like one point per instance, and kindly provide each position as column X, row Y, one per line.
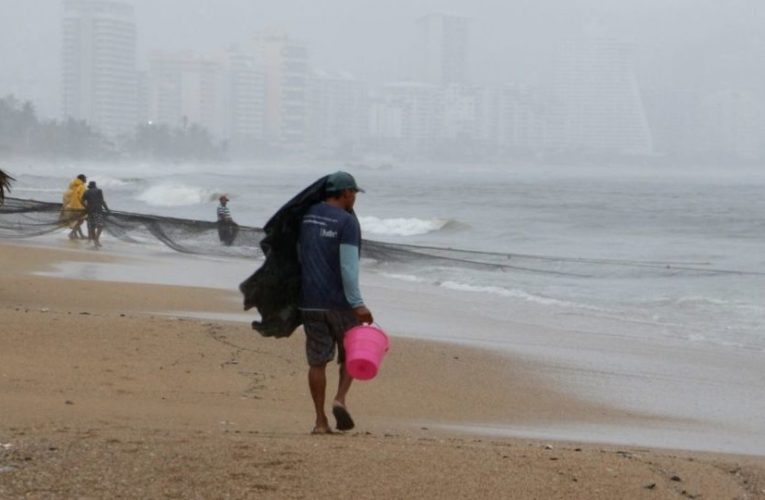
column 504, row 292
column 404, row 277
column 106, row 182
column 176, row 195
column 401, row 226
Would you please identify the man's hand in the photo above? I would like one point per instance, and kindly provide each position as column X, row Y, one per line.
column 363, row 314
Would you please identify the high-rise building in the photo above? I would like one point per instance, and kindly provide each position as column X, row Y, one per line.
column 285, row 69
column 99, row 73
column 406, row 117
column 338, row 112
column 442, row 49
column 459, row 113
column 245, row 102
column 512, row 120
column 597, row 104
column 186, row 89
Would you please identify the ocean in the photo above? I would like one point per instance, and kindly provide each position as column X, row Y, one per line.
column 680, row 251
column 645, row 286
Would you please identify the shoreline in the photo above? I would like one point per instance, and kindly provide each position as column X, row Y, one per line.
column 706, row 397
column 94, row 373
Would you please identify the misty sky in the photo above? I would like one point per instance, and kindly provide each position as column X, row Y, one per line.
column 679, row 41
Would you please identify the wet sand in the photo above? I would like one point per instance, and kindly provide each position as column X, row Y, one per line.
column 103, row 396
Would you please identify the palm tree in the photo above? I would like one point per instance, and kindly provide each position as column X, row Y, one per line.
column 5, row 185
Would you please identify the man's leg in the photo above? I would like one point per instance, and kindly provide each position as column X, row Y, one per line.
column 342, row 322
column 343, row 385
column 97, row 236
column 317, row 382
column 80, row 234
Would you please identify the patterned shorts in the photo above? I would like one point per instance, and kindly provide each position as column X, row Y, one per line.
column 95, row 220
column 323, row 331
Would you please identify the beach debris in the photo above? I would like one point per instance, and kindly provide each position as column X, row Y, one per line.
column 650, row 486
column 548, row 447
column 7, row 468
column 44, row 310
column 675, row 478
column 68, row 402
column 84, row 313
column 6, row 446
column 577, row 449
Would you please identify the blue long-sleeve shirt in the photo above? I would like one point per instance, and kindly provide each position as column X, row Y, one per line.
column 329, row 244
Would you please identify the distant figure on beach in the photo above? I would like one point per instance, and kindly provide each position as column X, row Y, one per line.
column 95, row 205
column 5, row 185
column 330, row 299
column 227, row 228
column 72, row 209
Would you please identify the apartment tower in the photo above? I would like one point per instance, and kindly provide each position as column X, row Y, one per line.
column 99, row 71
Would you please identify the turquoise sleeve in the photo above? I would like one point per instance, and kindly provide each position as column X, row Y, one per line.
column 349, row 269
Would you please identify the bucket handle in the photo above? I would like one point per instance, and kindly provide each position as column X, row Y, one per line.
column 375, row 324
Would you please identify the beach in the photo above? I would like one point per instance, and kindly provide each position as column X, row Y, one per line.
column 108, row 391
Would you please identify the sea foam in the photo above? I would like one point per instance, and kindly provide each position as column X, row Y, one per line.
column 504, row 292
column 401, row 226
column 176, row 195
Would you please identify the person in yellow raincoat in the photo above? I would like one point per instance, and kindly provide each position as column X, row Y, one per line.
column 72, row 209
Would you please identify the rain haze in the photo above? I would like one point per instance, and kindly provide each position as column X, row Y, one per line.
column 691, row 63
column 576, row 183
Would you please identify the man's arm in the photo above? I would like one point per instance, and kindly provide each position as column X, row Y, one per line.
column 349, row 270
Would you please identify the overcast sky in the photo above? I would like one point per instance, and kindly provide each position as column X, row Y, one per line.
column 512, row 40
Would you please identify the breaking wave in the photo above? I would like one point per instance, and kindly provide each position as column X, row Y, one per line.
column 176, row 195
column 402, row 226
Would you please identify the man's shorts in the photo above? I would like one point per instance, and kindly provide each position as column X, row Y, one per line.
column 95, row 220
column 324, row 330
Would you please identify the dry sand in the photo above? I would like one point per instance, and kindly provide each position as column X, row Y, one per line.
column 103, row 396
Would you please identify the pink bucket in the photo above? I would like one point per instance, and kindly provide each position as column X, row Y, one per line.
column 365, row 346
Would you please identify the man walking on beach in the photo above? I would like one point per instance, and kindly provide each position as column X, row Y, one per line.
column 330, row 299
column 94, row 203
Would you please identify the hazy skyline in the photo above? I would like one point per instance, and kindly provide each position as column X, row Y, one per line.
column 697, row 40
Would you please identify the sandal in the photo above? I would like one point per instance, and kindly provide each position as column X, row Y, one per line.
column 344, row 420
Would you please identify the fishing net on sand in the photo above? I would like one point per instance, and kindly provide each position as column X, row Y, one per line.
column 28, row 218
column 20, row 218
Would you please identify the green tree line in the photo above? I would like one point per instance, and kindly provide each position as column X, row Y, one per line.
column 23, row 133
